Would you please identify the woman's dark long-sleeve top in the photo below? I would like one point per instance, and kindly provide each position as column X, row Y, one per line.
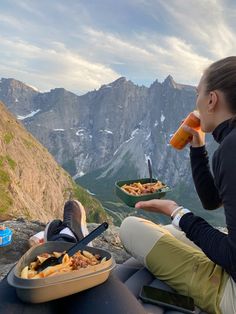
column 214, row 192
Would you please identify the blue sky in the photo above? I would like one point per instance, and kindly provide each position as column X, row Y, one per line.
column 82, row 44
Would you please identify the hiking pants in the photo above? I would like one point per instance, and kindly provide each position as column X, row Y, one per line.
column 170, row 256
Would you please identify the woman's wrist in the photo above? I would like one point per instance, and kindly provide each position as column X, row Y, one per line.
column 175, row 212
column 180, row 212
column 172, row 208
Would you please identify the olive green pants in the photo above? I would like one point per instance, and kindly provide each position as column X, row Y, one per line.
column 173, row 258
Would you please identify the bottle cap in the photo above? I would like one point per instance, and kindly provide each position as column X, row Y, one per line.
column 196, row 113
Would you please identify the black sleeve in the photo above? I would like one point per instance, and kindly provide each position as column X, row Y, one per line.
column 219, row 247
column 203, row 179
column 227, row 184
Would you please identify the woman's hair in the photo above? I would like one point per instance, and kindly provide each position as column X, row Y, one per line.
column 221, row 75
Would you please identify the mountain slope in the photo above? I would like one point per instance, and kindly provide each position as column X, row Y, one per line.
column 32, row 184
column 129, row 165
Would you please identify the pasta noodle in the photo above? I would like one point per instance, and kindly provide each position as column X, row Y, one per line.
column 81, row 259
column 138, row 188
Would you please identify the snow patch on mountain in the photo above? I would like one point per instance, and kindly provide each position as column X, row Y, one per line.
column 30, row 115
column 162, row 118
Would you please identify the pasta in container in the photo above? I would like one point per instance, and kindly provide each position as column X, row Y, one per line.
column 84, row 270
column 133, row 191
column 79, row 261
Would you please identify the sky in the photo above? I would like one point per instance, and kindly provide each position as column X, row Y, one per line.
column 83, row 44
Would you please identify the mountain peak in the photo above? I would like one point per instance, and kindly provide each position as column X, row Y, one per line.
column 121, row 79
column 120, row 82
column 169, row 81
column 155, row 84
column 58, row 90
column 14, row 84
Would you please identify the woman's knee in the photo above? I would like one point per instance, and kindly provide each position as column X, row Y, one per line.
column 128, row 228
column 128, row 222
column 139, row 235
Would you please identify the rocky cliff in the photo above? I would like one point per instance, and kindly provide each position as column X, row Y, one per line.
column 85, row 132
column 32, row 184
column 109, row 133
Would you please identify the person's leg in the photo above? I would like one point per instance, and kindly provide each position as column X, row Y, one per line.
column 73, row 228
column 112, row 294
column 74, row 217
column 228, row 301
column 184, row 268
column 11, row 304
column 56, row 230
column 110, row 297
column 181, row 236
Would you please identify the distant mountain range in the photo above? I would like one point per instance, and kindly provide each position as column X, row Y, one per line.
column 109, row 133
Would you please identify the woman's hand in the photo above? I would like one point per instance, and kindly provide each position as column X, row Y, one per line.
column 198, row 136
column 165, row 207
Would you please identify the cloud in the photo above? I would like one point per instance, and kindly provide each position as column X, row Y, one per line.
column 51, row 67
column 115, row 45
column 204, row 24
column 81, row 45
column 191, row 36
column 149, row 56
column 10, row 21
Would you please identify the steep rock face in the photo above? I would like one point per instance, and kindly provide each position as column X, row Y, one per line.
column 17, row 95
column 109, row 133
column 84, row 132
column 32, row 184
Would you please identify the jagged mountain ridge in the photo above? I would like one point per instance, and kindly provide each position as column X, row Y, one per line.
column 105, row 127
column 32, row 184
column 83, row 132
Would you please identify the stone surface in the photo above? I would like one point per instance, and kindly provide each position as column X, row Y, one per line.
column 110, row 241
column 23, row 230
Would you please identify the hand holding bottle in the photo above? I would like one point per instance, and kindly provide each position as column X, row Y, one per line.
column 198, row 136
column 184, row 135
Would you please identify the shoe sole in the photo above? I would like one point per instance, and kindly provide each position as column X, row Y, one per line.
column 82, row 222
column 83, row 213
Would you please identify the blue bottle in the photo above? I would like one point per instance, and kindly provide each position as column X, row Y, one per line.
column 5, row 236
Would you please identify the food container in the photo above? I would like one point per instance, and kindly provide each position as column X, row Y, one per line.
column 130, row 199
column 58, row 286
column 5, row 236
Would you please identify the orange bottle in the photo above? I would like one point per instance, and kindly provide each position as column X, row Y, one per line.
column 181, row 137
